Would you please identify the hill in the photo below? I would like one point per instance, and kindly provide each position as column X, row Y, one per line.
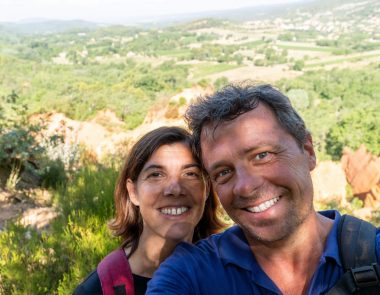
column 43, row 27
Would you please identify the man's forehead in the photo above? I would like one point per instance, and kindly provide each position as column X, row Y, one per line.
column 210, row 130
column 256, row 122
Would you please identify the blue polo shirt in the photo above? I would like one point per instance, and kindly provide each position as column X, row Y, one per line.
column 224, row 264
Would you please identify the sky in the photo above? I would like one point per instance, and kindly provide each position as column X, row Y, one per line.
column 114, row 10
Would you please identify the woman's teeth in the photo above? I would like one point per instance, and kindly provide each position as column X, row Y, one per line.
column 174, row 210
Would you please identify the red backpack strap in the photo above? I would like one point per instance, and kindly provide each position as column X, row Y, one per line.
column 115, row 274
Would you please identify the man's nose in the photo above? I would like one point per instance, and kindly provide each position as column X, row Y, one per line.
column 173, row 187
column 247, row 182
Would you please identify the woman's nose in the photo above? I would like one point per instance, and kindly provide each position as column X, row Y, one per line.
column 173, row 188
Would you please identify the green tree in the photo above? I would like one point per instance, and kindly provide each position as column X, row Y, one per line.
column 355, row 128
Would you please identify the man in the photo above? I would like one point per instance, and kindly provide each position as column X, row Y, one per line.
column 259, row 155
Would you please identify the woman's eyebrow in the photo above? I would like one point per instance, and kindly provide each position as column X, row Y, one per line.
column 156, row 166
column 152, row 166
column 196, row 165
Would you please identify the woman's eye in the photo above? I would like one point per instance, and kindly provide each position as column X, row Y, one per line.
column 154, row 174
column 192, row 174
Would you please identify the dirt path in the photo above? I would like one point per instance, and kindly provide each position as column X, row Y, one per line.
column 33, row 212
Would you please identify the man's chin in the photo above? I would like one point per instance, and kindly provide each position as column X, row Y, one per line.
column 264, row 236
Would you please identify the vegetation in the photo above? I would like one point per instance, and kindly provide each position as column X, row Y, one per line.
column 340, row 107
column 56, row 261
column 127, row 88
column 20, row 149
column 356, row 42
column 127, row 70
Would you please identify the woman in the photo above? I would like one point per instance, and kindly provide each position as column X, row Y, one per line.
column 161, row 198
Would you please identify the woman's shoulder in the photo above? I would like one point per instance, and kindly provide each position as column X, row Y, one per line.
column 90, row 285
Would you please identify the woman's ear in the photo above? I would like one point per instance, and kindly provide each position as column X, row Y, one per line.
column 131, row 188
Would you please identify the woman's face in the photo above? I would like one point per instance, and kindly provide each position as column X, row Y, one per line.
column 170, row 193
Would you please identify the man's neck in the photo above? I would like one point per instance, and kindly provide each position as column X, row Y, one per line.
column 291, row 262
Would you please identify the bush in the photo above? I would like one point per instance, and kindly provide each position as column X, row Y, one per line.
column 54, row 262
column 298, row 65
column 19, row 146
column 54, row 174
column 17, row 136
column 220, row 83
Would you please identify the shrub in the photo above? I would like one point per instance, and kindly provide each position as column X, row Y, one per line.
column 54, row 174
column 220, row 82
column 54, row 262
column 298, row 65
column 23, row 145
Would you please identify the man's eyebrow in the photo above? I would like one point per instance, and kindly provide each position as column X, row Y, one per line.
column 261, row 145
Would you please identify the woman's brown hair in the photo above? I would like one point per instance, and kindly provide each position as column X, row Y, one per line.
column 128, row 223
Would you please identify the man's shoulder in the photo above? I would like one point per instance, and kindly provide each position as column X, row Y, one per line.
column 340, row 231
column 208, row 248
column 208, row 244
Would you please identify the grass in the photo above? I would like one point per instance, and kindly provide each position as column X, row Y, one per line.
column 55, row 261
column 253, row 44
column 13, row 178
column 205, row 69
column 185, row 52
column 341, row 60
column 306, row 48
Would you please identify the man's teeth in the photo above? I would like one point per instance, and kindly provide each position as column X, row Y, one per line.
column 174, row 211
column 263, row 206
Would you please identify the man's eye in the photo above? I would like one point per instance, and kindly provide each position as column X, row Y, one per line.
column 261, row 156
column 222, row 175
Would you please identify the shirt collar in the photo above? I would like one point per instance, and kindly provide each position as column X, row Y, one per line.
column 233, row 246
column 331, row 250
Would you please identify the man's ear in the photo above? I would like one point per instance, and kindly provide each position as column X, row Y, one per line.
column 309, row 149
column 131, row 188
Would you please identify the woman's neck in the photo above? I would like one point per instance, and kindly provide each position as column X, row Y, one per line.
column 151, row 251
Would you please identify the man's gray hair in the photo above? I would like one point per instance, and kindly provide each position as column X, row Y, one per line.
column 234, row 100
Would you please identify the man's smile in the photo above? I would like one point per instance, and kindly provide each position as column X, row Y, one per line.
column 263, row 206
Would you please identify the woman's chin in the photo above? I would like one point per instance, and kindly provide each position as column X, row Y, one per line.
column 181, row 232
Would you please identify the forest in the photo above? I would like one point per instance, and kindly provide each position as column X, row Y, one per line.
column 330, row 70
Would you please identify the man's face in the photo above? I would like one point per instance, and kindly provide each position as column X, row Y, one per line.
column 260, row 173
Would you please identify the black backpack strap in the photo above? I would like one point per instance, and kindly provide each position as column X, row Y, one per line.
column 357, row 250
